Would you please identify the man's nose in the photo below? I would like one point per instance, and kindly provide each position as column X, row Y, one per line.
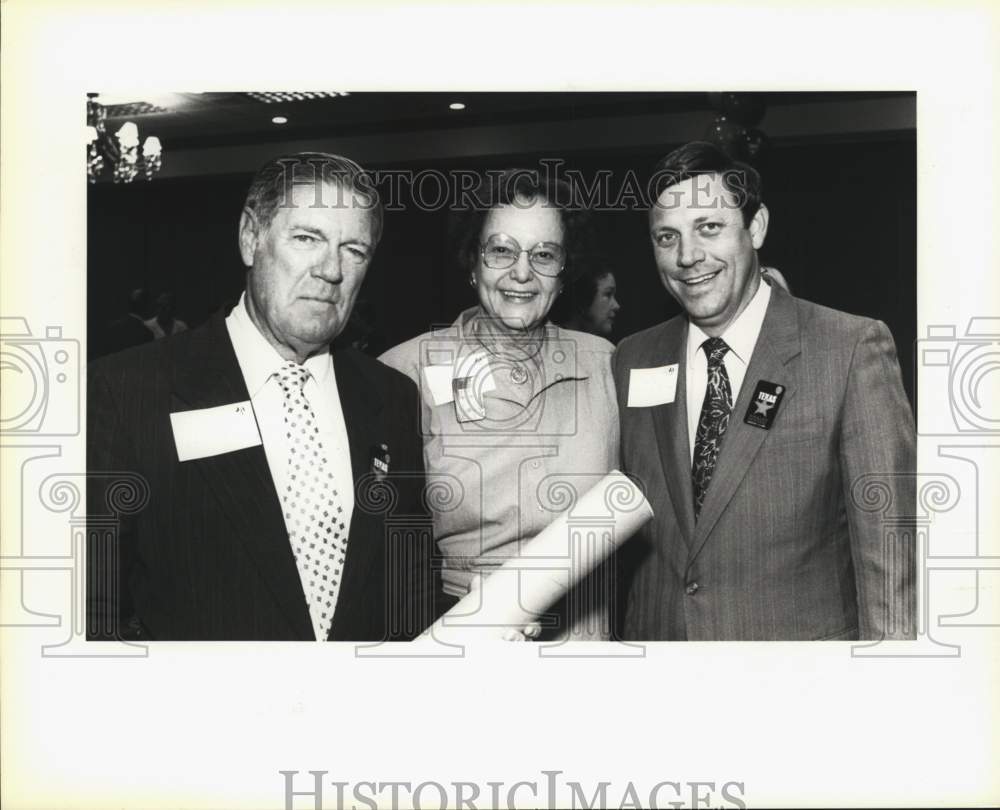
column 521, row 270
column 615, row 306
column 688, row 253
column 328, row 268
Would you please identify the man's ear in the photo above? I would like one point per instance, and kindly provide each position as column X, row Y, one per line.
column 758, row 227
column 248, row 236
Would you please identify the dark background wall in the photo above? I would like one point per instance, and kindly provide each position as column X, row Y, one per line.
column 843, row 231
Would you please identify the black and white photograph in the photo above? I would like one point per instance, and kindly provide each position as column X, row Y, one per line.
column 439, row 421
column 510, row 399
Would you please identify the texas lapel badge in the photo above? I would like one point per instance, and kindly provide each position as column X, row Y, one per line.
column 380, row 461
column 764, row 404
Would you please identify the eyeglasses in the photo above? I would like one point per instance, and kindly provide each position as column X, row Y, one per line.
column 501, row 251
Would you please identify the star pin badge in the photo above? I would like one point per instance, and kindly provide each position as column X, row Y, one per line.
column 764, row 404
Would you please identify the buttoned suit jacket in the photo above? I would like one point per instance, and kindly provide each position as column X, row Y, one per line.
column 208, row 557
column 803, row 533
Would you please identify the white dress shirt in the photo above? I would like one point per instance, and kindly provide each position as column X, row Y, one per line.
column 741, row 337
column 259, row 361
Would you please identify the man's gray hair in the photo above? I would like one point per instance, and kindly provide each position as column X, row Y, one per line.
column 271, row 187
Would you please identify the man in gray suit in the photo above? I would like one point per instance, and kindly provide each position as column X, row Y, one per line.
column 760, row 426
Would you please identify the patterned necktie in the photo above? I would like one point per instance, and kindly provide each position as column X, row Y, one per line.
column 314, row 515
column 712, row 423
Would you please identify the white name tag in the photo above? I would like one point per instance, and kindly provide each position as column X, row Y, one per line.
column 652, row 386
column 438, row 382
column 214, row 431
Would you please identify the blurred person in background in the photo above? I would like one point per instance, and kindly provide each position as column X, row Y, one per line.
column 128, row 330
column 163, row 323
column 589, row 304
column 773, row 276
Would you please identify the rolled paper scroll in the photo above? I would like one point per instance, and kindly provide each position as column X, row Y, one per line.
column 586, row 532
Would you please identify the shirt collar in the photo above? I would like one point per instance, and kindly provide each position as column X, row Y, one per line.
column 258, row 359
column 741, row 335
column 552, row 352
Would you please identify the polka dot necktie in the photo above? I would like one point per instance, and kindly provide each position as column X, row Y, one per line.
column 712, row 423
column 314, row 515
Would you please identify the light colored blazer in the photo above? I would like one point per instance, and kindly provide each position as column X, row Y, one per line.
column 548, row 423
column 795, row 539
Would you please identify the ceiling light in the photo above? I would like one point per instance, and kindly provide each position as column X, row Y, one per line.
column 279, row 119
column 456, row 105
column 282, row 98
column 120, row 151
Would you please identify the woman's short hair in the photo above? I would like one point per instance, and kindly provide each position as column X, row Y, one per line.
column 513, row 187
column 274, row 180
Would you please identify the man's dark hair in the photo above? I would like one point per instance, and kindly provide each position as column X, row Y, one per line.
column 274, row 180
column 515, row 187
column 699, row 158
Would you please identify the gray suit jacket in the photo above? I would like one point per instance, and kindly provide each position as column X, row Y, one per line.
column 792, row 541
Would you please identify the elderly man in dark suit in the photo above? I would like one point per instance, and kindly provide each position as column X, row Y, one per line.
column 754, row 420
column 285, row 478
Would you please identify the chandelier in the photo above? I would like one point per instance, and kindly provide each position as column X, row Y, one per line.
column 120, row 151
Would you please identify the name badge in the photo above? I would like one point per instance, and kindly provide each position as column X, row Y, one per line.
column 438, row 382
column 213, row 431
column 380, row 461
column 764, row 404
column 652, row 386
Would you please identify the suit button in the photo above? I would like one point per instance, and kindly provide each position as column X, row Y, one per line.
column 691, row 589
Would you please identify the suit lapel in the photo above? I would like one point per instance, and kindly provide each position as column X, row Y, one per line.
column 776, row 345
column 241, row 480
column 670, row 422
column 361, row 405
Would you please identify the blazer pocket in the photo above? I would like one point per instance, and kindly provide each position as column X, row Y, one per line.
column 797, row 433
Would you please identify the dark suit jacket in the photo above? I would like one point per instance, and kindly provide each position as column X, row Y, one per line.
column 790, row 543
column 208, row 557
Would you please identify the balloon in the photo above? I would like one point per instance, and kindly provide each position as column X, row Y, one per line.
column 724, row 132
column 756, row 143
column 743, row 108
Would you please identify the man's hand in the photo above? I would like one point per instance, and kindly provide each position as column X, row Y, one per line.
column 528, row 633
